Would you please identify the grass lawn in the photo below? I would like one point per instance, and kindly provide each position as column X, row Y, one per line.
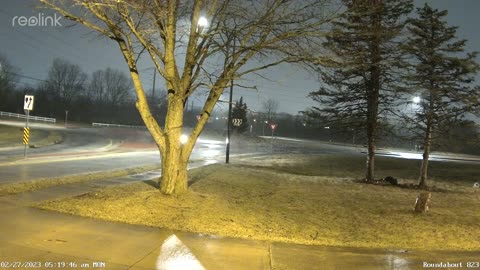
column 303, row 199
column 42, row 183
column 9, row 134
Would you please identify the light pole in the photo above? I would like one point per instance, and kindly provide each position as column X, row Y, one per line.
column 154, row 68
column 329, row 134
column 255, row 126
column 66, row 118
column 201, row 24
column 229, row 124
column 353, row 136
column 153, row 88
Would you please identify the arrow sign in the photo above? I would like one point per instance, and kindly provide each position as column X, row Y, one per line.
column 236, row 122
column 28, row 103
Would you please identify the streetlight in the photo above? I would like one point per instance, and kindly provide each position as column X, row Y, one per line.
column 202, row 22
column 183, row 139
column 416, row 104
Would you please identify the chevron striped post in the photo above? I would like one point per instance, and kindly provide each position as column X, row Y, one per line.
column 26, row 135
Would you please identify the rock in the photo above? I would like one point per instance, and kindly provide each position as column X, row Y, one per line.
column 391, row 180
column 476, row 185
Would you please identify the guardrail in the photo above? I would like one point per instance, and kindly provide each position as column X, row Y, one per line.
column 115, row 125
column 31, row 117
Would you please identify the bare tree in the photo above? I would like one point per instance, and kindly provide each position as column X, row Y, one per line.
column 192, row 52
column 110, row 87
column 270, row 107
column 65, row 82
column 7, row 80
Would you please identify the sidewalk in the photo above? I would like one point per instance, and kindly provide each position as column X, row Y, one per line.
column 58, row 241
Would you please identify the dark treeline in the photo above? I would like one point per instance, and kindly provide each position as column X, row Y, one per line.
column 103, row 96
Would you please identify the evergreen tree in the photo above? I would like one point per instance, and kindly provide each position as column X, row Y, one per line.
column 442, row 73
column 239, row 111
column 359, row 86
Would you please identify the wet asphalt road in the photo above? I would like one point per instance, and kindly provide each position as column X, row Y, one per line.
column 87, row 150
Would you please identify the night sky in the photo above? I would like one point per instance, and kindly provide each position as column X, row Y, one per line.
column 32, row 50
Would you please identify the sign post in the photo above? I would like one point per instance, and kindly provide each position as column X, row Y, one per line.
column 273, row 126
column 27, row 107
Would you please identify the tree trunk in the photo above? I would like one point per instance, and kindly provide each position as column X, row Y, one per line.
column 372, row 118
column 423, row 201
column 174, row 172
column 370, row 175
column 373, row 93
column 174, row 160
column 426, row 155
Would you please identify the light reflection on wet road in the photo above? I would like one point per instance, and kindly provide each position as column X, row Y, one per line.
column 86, row 160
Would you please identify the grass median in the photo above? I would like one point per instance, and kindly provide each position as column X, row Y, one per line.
column 302, row 199
column 9, row 134
column 13, row 136
column 53, row 137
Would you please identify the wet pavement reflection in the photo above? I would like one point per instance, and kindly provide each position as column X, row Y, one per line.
column 175, row 255
column 190, row 251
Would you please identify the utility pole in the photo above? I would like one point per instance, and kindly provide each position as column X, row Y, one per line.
column 229, row 124
column 153, row 89
column 66, row 118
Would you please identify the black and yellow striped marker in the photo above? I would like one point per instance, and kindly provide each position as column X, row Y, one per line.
column 26, row 135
